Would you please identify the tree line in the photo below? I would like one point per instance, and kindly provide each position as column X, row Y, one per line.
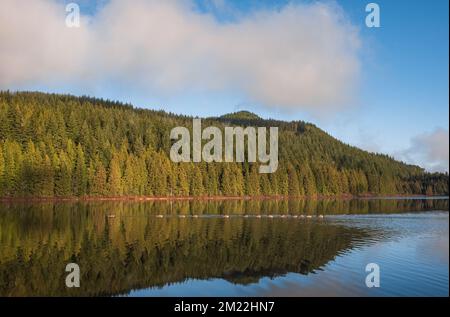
column 63, row 146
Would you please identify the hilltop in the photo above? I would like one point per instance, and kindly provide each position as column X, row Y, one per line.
column 241, row 115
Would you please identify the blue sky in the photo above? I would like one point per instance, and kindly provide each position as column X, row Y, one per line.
column 399, row 104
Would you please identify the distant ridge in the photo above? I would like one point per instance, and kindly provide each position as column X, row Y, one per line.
column 241, row 115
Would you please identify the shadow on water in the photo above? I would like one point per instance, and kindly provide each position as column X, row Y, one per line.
column 121, row 246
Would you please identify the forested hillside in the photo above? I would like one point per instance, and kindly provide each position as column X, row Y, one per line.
column 62, row 146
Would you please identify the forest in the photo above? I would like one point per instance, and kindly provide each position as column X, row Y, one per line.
column 54, row 145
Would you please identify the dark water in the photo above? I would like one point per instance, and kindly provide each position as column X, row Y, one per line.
column 228, row 248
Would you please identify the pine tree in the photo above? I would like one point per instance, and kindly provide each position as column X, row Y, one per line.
column 47, row 177
column 182, row 181
column 13, row 165
column 79, row 178
column 226, row 180
column 98, row 187
column 129, row 177
column 196, row 182
column 115, row 177
column 264, row 183
column 293, row 183
column 238, row 179
column 63, row 175
column 309, row 183
column 2, row 171
column 252, row 181
column 212, row 177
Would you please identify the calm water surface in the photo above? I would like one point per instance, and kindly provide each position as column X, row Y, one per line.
column 228, row 248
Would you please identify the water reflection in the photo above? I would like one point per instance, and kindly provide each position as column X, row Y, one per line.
column 122, row 246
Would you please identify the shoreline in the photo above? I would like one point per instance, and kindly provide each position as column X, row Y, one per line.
column 212, row 198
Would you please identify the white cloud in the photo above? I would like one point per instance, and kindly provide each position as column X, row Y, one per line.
column 429, row 150
column 301, row 56
column 36, row 46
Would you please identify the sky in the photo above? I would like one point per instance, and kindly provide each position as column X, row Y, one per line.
column 382, row 89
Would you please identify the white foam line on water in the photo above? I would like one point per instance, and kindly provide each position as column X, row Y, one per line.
column 226, row 216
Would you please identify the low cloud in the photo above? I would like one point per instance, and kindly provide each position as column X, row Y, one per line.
column 297, row 57
column 429, row 150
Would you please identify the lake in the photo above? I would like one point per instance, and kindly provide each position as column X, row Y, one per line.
column 226, row 248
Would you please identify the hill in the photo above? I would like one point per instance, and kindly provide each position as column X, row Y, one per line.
column 240, row 115
column 59, row 145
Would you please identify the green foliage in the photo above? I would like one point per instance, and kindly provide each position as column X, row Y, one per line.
column 241, row 115
column 59, row 145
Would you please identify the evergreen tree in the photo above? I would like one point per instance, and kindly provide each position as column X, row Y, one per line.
column 98, row 187
column 196, row 182
column 79, row 177
column 252, row 181
column 115, row 187
column 293, row 183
